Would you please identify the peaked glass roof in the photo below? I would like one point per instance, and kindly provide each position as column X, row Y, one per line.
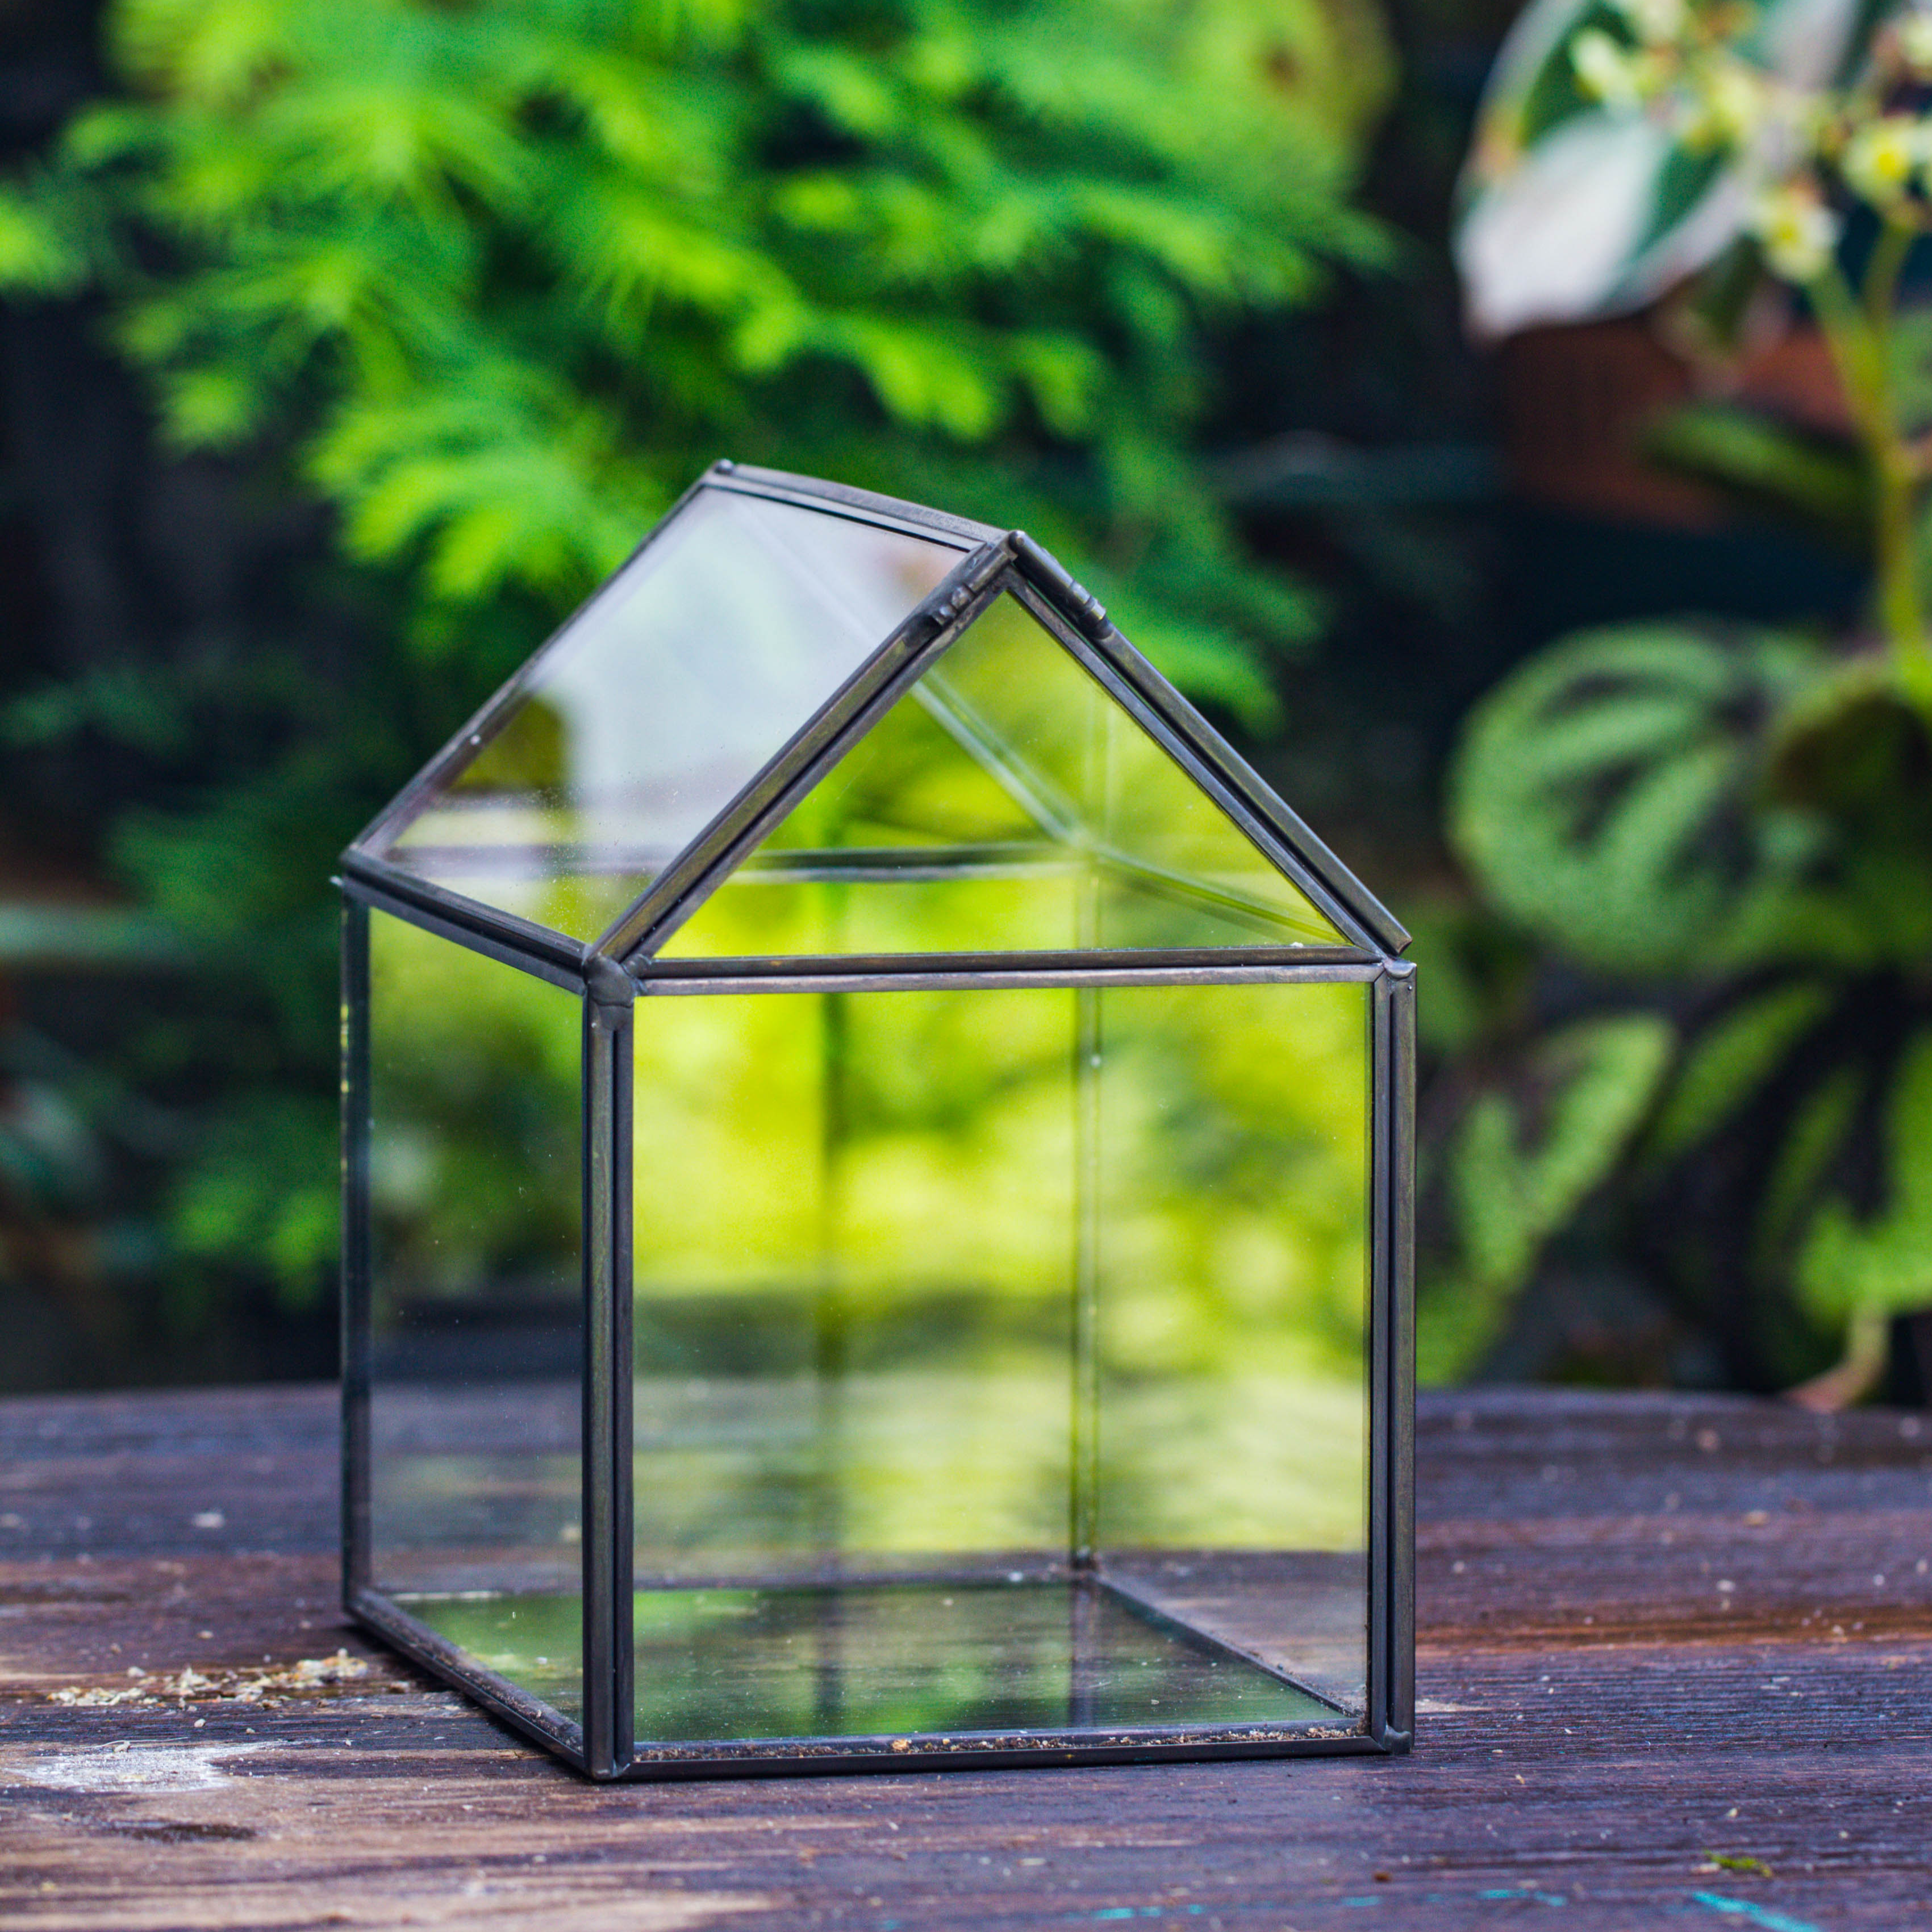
column 1029, row 786
column 657, row 704
column 1006, row 803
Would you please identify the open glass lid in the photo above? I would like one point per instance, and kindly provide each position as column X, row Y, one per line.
column 654, row 707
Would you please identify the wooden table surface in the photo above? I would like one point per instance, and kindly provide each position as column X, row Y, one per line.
column 1676, row 1660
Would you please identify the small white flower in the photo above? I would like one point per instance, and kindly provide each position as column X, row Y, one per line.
column 1914, row 42
column 1612, row 73
column 1881, row 158
column 1797, row 231
column 1657, row 23
column 1733, row 104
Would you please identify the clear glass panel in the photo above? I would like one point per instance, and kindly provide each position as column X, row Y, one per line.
column 853, row 1220
column 667, row 694
column 892, row 1249
column 859, row 1660
column 477, row 1347
column 1230, row 1277
column 1007, row 803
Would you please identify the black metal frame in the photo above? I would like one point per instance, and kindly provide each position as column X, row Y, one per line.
column 609, row 973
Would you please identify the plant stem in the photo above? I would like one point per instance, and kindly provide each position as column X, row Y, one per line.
column 1853, row 1377
column 1859, row 331
column 1900, row 599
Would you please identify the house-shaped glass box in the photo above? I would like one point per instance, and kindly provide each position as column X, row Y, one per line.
column 877, row 1193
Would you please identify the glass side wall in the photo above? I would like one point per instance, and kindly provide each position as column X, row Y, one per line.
column 1007, row 803
column 1232, row 1146
column 665, row 696
column 934, row 1288
column 475, row 1422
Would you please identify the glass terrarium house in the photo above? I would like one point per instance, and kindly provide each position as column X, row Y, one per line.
column 877, row 1199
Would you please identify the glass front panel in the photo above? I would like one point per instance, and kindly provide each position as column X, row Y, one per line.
column 852, row 1276
column 1007, row 803
column 999, row 1360
column 477, row 1347
column 666, row 695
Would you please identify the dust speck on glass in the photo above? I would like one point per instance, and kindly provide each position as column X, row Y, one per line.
column 876, row 1185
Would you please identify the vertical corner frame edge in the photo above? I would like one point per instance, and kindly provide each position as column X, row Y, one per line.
column 606, row 1471
column 1392, row 1358
column 355, row 1309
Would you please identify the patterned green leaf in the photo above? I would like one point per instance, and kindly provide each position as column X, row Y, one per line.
column 1729, row 1061
column 1880, row 1260
column 1608, row 796
column 1522, row 1158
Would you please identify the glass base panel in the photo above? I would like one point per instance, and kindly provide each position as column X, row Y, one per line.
column 859, row 1659
column 532, row 1638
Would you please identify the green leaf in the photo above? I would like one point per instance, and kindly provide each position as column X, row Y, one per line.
column 41, row 253
column 1573, row 208
column 1522, row 1159
column 1729, row 1060
column 264, row 1191
column 1609, row 795
column 209, row 408
column 506, row 274
column 1880, row 1261
column 1684, row 184
column 1821, row 482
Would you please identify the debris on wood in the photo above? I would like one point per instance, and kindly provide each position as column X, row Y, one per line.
column 1740, row 1862
column 310, row 1677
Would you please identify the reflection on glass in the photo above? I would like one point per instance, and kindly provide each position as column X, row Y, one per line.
column 1006, row 803
column 995, row 1286
column 477, row 1344
column 1230, row 1138
column 532, row 1638
column 852, row 1278
column 665, row 696
column 931, row 1659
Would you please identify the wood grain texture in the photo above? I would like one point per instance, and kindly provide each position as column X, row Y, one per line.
column 1658, row 1634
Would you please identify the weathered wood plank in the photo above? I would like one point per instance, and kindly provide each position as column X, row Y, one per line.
column 1602, row 1715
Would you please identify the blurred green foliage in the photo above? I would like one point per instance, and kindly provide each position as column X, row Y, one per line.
column 1731, row 831
column 1518, row 1158
column 492, row 281
column 506, row 275
column 1725, row 833
column 859, row 1222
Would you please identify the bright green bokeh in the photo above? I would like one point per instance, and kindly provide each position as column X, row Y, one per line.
column 1007, row 803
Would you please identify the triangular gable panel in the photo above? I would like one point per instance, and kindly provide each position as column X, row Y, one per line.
column 1006, row 803
column 659, row 702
